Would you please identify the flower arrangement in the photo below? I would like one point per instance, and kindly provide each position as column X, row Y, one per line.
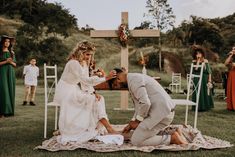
column 124, row 34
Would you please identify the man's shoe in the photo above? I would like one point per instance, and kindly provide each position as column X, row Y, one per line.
column 24, row 103
column 32, row 103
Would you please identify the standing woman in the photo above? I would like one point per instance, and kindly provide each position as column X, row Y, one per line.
column 231, row 80
column 7, row 77
column 205, row 98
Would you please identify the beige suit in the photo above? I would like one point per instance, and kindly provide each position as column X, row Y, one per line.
column 153, row 105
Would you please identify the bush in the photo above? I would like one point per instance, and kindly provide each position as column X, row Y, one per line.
column 153, row 60
column 217, row 70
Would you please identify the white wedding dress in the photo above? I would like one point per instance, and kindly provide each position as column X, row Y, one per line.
column 80, row 112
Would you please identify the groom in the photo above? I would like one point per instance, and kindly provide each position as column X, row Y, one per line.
column 154, row 110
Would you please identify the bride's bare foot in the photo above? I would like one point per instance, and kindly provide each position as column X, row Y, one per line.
column 112, row 131
column 108, row 126
column 177, row 139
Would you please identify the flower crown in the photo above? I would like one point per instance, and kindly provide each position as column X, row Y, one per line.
column 86, row 46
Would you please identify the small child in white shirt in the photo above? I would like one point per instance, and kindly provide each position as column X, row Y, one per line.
column 30, row 73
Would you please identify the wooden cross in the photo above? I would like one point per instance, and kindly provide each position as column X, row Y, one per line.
column 124, row 50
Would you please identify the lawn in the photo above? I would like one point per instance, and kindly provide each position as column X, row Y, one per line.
column 21, row 133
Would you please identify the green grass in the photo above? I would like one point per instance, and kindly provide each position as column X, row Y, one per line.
column 21, row 133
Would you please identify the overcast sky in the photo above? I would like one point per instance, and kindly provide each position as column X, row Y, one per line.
column 106, row 14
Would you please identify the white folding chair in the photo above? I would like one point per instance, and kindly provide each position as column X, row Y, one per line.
column 175, row 82
column 191, row 88
column 48, row 92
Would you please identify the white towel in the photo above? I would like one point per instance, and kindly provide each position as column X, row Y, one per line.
column 111, row 139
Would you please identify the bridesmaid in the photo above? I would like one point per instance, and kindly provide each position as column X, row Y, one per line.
column 205, row 98
column 231, row 80
column 7, row 77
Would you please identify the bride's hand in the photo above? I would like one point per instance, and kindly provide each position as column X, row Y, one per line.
column 101, row 72
column 98, row 97
column 112, row 74
column 9, row 60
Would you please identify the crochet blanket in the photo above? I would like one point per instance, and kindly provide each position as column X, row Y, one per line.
column 193, row 136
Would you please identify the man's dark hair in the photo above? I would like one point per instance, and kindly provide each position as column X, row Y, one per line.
column 118, row 70
column 110, row 82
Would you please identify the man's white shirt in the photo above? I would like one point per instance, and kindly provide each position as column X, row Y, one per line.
column 31, row 73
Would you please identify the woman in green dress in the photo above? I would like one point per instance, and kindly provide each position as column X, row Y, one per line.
column 7, row 77
column 205, row 98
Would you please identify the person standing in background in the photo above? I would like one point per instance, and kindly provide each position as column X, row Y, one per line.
column 7, row 77
column 229, row 62
column 30, row 73
column 205, row 99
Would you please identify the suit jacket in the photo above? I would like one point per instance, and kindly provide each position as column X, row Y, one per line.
column 150, row 99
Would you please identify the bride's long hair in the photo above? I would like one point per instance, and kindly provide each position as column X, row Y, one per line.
column 79, row 50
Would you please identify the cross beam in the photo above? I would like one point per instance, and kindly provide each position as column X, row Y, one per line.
column 133, row 33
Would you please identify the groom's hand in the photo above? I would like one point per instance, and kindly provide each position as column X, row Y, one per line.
column 112, row 74
column 134, row 124
column 126, row 129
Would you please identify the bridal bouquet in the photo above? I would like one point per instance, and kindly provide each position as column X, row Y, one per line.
column 209, row 87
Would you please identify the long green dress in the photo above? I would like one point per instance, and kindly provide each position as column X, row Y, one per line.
column 7, row 87
column 205, row 101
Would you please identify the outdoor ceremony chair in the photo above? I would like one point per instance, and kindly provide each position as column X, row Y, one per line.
column 176, row 82
column 191, row 88
column 49, row 87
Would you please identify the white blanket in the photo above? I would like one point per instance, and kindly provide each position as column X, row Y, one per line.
column 111, row 139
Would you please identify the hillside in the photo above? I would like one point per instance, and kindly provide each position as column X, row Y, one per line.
column 9, row 26
column 227, row 29
column 176, row 58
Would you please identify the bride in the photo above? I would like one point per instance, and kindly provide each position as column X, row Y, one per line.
column 81, row 110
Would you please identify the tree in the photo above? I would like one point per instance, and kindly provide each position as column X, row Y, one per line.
column 43, row 23
column 205, row 32
column 162, row 18
column 52, row 51
column 175, row 37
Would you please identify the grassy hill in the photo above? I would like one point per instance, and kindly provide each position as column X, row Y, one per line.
column 9, row 26
column 107, row 55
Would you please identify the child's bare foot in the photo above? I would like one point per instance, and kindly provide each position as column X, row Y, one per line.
column 179, row 131
column 177, row 139
column 56, row 133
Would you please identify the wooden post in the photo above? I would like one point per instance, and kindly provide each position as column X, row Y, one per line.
column 124, row 63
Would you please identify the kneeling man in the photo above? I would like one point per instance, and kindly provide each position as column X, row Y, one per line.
column 154, row 110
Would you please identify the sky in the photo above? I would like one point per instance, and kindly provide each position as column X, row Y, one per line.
column 106, row 14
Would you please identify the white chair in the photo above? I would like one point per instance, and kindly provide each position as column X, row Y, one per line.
column 175, row 82
column 48, row 91
column 191, row 88
column 191, row 83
